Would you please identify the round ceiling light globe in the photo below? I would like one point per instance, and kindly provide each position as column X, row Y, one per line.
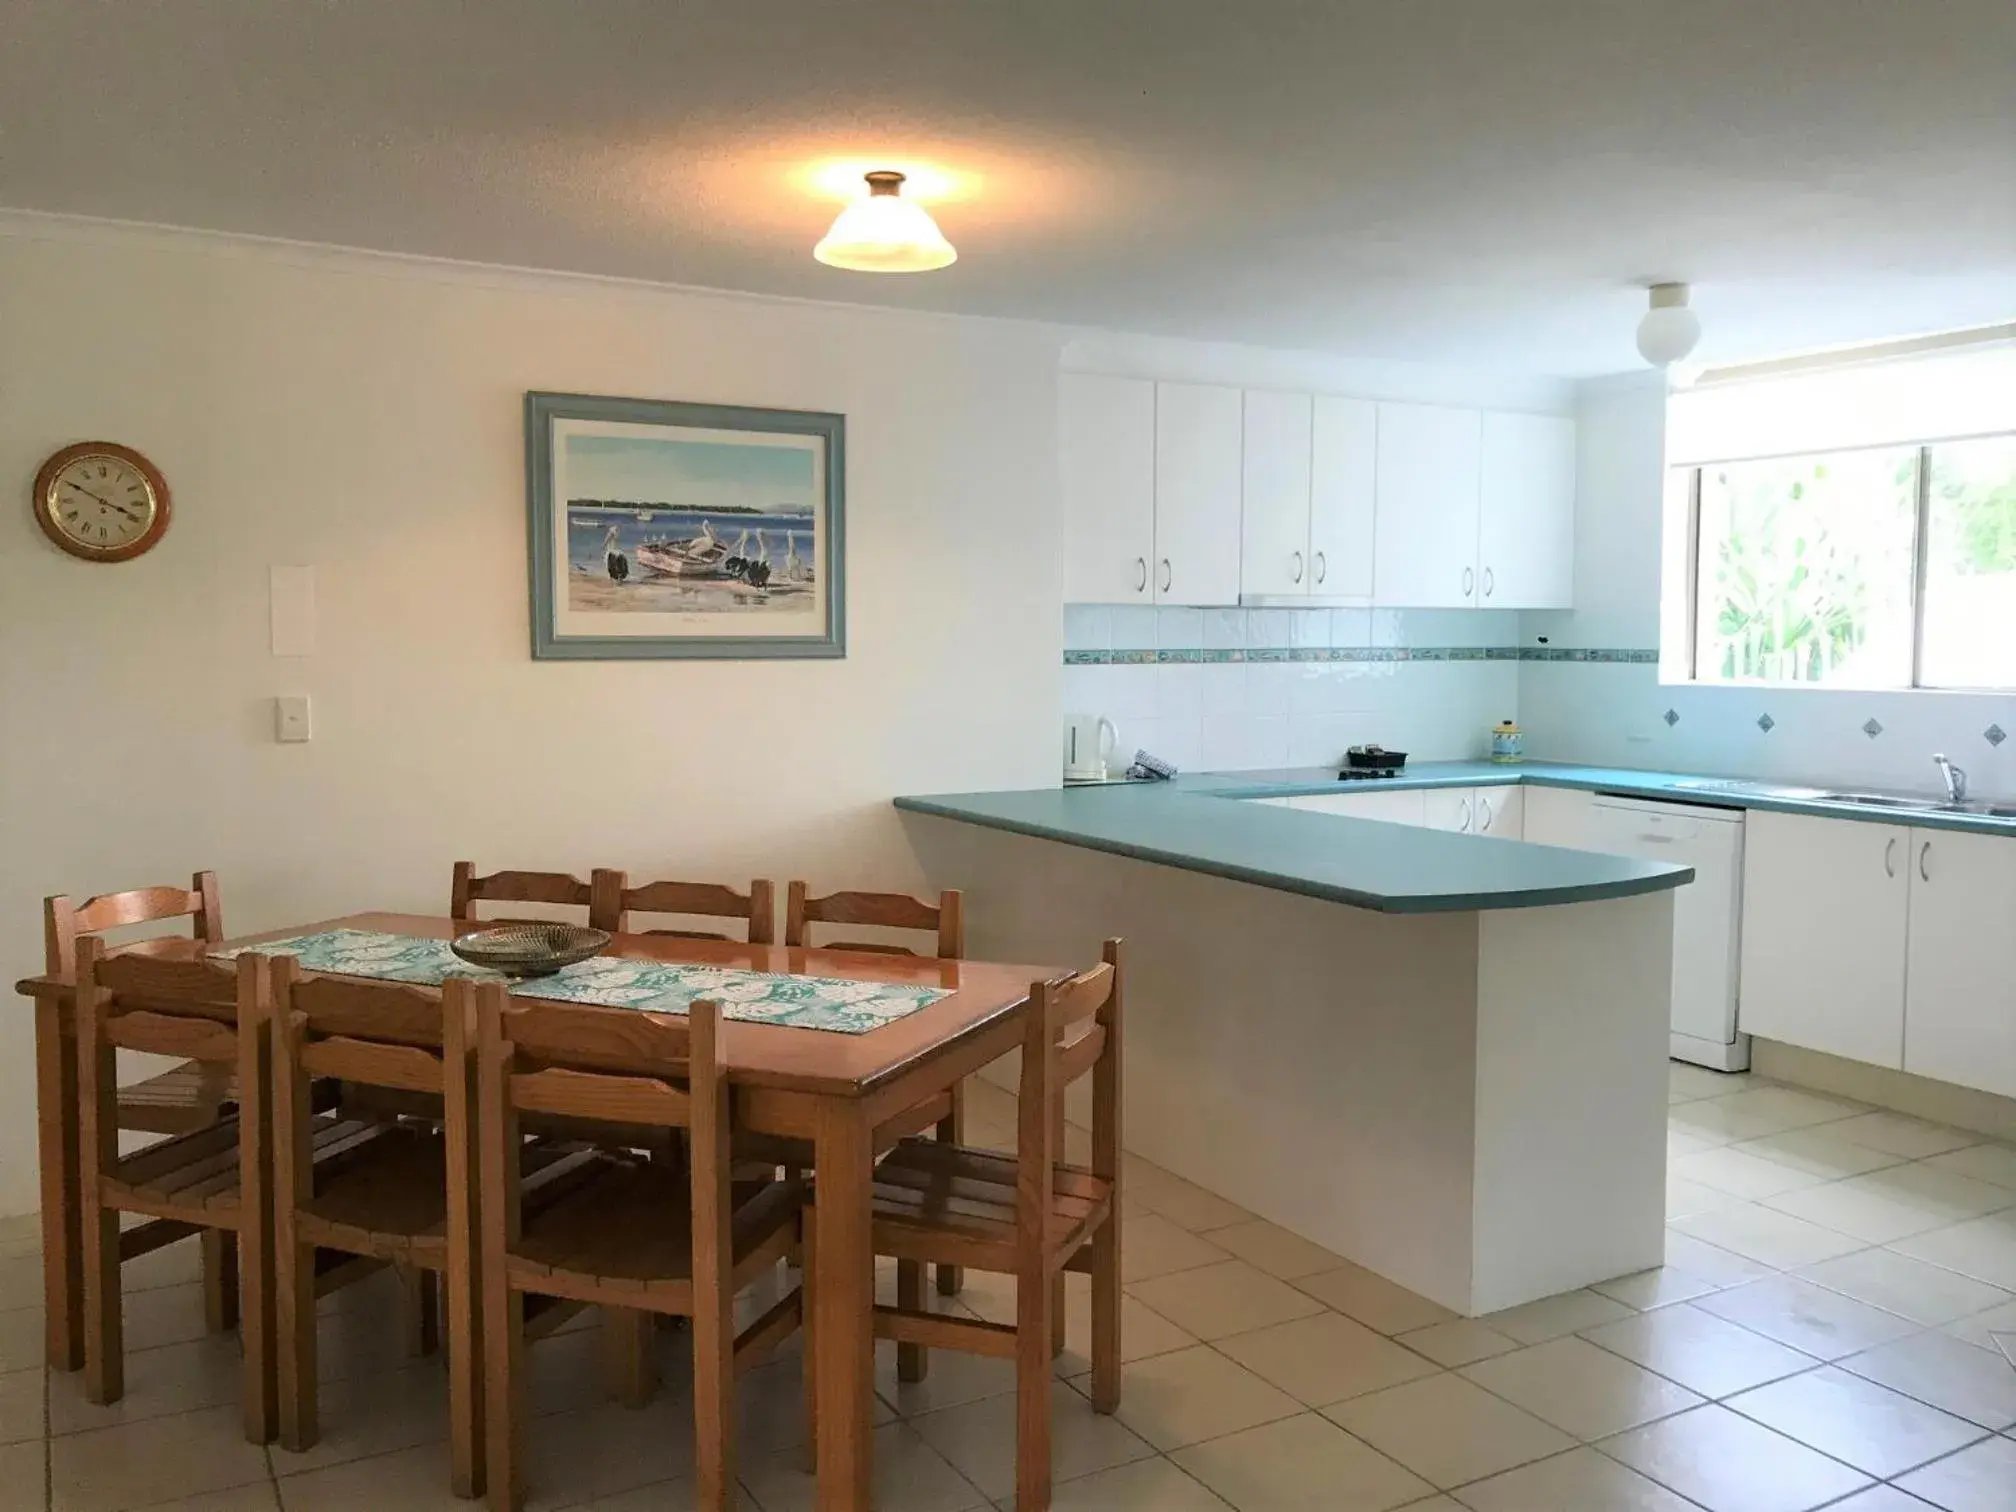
column 1667, row 334
column 885, row 233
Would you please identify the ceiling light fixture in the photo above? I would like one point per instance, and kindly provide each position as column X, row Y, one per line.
column 885, row 233
column 1669, row 330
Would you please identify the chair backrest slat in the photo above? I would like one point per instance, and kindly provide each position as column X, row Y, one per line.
column 468, row 889
column 405, row 1068
column 599, row 1039
column 1078, row 998
column 615, row 900
column 944, row 920
column 568, row 1093
column 391, row 1012
column 63, row 921
column 198, row 1039
column 1053, row 1057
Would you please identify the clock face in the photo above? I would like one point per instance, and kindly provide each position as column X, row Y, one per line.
column 101, row 502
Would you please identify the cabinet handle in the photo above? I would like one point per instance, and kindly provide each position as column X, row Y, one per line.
column 1464, row 827
column 1469, row 581
column 1924, row 856
column 1485, row 822
column 1490, row 582
column 1140, row 574
column 1298, row 566
column 1168, row 575
column 1890, row 858
column 1322, row 567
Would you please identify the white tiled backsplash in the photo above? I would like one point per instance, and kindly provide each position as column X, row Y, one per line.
column 1227, row 715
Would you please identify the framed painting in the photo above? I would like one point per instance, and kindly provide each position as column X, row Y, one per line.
column 662, row 529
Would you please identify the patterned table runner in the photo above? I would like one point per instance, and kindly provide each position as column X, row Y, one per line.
column 839, row 1004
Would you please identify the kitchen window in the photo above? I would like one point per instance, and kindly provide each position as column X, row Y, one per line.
column 1885, row 564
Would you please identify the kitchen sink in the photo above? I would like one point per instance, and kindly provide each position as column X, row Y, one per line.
column 1977, row 807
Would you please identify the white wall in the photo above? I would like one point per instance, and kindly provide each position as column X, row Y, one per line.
column 363, row 414
column 1615, row 713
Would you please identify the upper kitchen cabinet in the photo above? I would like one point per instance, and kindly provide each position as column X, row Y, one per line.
column 1199, row 434
column 1274, row 557
column 1526, row 528
column 1343, row 466
column 1107, row 440
column 1429, row 465
column 1307, row 498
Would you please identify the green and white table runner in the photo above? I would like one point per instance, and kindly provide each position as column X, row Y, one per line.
column 839, row 1004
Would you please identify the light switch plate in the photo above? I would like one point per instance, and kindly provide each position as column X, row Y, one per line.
column 292, row 719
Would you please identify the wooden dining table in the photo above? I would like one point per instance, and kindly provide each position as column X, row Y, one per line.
column 830, row 1089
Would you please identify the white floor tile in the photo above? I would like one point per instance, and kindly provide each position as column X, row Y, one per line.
column 24, row 1482
column 21, row 1341
column 1553, row 1317
column 1769, row 1237
column 1275, row 1250
column 1727, row 1463
column 162, row 1459
column 1978, row 1328
column 1995, row 1163
column 1301, row 1464
column 1464, row 1342
column 1981, row 1479
column 1945, row 1373
column 1152, row 1245
column 1894, row 1204
column 1859, row 1422
column 1926, row 1294
column 1699, row 1350
column 1373, row 1300
column 1581, row 1480
column 1154, row 1485
column 1819, row 1152
column 1660, row 1287
column 1735, row 1173
column 1325, row 1359
column 1580, row 1388
column 910, row 1476
column 1196, row 1394
column 1214, row 1301
column 1449, row 1431
column 1984, row 1248
column 22, row 1417
column 1809, row 1318
column 978, row 1440
column 1899, row 1134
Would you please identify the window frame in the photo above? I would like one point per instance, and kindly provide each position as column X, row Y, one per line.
column 1689, row 669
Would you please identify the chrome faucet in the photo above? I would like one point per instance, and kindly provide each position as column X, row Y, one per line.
column 1956, row 780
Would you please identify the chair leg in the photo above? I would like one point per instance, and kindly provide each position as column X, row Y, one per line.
column 294, row 1344
column 952, row 1130
column 1032, row 1395
column 220, row 1279
column 630, row 1344
column 422, row 1312
column 806, row 1333
column 1106, row 1317
column 255, row 1333
column 104, row 1308
column 913, row 1361
column 503, row 1391
column 465, row 1381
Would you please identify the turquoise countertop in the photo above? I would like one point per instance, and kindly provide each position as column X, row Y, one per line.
column 1391, row 868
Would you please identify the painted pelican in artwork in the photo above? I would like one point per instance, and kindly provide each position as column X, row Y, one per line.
column 612, row 554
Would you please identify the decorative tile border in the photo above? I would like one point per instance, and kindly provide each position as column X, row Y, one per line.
column 1219, row 655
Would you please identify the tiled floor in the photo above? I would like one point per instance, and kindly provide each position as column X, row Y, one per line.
column 1820, row 1336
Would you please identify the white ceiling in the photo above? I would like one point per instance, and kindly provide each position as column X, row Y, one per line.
column 1450, row 180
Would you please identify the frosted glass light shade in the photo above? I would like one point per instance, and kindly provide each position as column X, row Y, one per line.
column 885, row 233
column 1669, row 330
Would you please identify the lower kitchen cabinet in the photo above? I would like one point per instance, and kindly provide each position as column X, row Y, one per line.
column 1825, row 903
column 1402, row 806
column 1960, row 981
column 1500, row 811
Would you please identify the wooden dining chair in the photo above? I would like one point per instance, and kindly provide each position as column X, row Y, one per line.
column 211, row 1179
column 615, row 900
column 370, row 1190
column 627, row 1232
column 1029, row 1216
column 945, row 923
column 468, row 889
column 185, row 1097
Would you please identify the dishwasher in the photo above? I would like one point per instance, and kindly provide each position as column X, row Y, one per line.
column 1707, row 914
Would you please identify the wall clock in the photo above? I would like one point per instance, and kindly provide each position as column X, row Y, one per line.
column 101, row 501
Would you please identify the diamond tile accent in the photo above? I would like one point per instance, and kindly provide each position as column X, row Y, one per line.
column 1765, row 722
column 1994, row 735
column 1672, row 717
column 1872, row 729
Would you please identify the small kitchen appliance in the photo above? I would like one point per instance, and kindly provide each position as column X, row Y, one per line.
column 1362, row 762
column 1089, row 742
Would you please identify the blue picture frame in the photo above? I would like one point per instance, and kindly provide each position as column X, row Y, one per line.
column 650, row 528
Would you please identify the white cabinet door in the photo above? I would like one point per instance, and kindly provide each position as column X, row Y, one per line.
column 1526, row 531
column 1452, row 809
column 1274, row 498
column 1960, row 992
column 1342, row 493
column 1197, row 465
column 1427, row 501
column 1394, row 806
column 1500, row 811
column 1106, row 429
column 1824, row 907
column 1560, row 816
